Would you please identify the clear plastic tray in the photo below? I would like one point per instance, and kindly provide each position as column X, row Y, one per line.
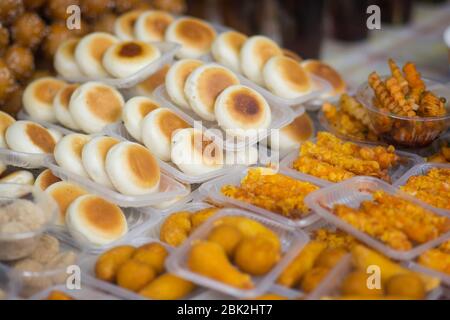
column 444, row 277
column 330, row 286
column 154, row 232
column 88, row 267
column 419, row 170
column 169, row 188
column 281, row 116
column 212, row 190
column 291, row 241
column 118, row 130
column 168, row 51
column 23, row 159
column 351, row 193
column 320, row 86
column 407, row 161
column 138, row 220
column 84, row 293
column 274, row 289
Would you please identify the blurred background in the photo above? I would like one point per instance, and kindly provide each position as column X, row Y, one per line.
column 332, row 30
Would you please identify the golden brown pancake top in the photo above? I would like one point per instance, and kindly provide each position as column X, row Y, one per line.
column 69, row 48
column 235, row 40
column 185, row 70
column 104, row 145
column 300, row 129
column 47, row 89
column 325, row 71
column 102, row 215
column 41, row 137
column 104, row 103
column 128, row 20
column 294, row 74
column 66, row 93
column 169, row 122
column 155, row 80
column 245, row 107
column 78, row 143
column 210, row 151
column 47, row 179
column 146, row 107
column 5, row 121
column 99, row 45
column 291, row 54
column 212, row 82
column 195, row 33
column 134, row 50
column 143, row 166
column 64, row 194
column 264, row 50
column 157, row 23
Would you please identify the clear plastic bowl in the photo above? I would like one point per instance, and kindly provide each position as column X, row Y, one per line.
column 88, row 267
column 84, row 293
column 406, row 131
column 331, row 284
column 15, row 246
column 351, row 193
column 168, row 51
column 33, row 282
column 407, row 161
column 213, row 190
column 281, row 116
column 419, row 170
column 292, row 242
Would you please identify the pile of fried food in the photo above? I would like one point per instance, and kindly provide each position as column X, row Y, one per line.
column 272, row 191
column 235, row 249
column 349, row 119
column 142, row 270
column 335, row 160
column 443, row 155
column 432, row 188
column 316, row 259
column 177, row 227
column 396, row 282
column 406, row 95
column 397, row 222
column 437, row 258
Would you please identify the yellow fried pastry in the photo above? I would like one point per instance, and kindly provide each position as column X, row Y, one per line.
column 199, row 217
column 176, row 228
column 153, row 255
column 210, row 260
column 109, row 262
column 227, row 236
column 313, row 278
column 167, row 287
column 134, row 275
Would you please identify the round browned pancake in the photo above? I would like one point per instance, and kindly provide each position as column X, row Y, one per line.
column 326, row 72
column 46, row 90
column 134, row 50
column 66, row 93
column 293, row 74
column 211, row 152
column 46, row 178
column 5, row 121
column 40, row 137
column 155, row 24
column 154, row 81
column 195, row 33
column 291, row 54
column 125, row 24
column 99, row 45
column 64, row 193
column 301, row 129
column 143, row 167
column 104, row 103
column 168, row 122
column 235, row 40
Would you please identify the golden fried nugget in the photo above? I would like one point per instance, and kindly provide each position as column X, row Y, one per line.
column 109, row 262
column 167, row 287
column 176, row 228
column 198, row 217
column 134, row 275
column 152, row 254
column 226, row 236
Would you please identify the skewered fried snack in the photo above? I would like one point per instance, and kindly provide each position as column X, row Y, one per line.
column 432, row 188
column 395, row 221
column 273, row 192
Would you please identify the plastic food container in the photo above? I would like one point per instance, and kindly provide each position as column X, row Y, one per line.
column 88, row 267
column 331, row 285
column 9, row 286
column 351, row 193
column 291, row 241
column 23, row 159
column 275, row 289
column 118, row 130
column 168, row 51
column 33, row 282
column 281, row 116
column 213, row 190
column 169, row 188
column 15, row 246
column 84, row 293
column 407, row 161
column 138, row 221
column 419, row 170
column 444, row 277
column 407, row 131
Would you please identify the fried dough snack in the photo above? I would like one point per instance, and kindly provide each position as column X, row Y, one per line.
column 438, row 258
column 432, row 188
column 332, row 159
column 274, row 192
column 397, row 222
